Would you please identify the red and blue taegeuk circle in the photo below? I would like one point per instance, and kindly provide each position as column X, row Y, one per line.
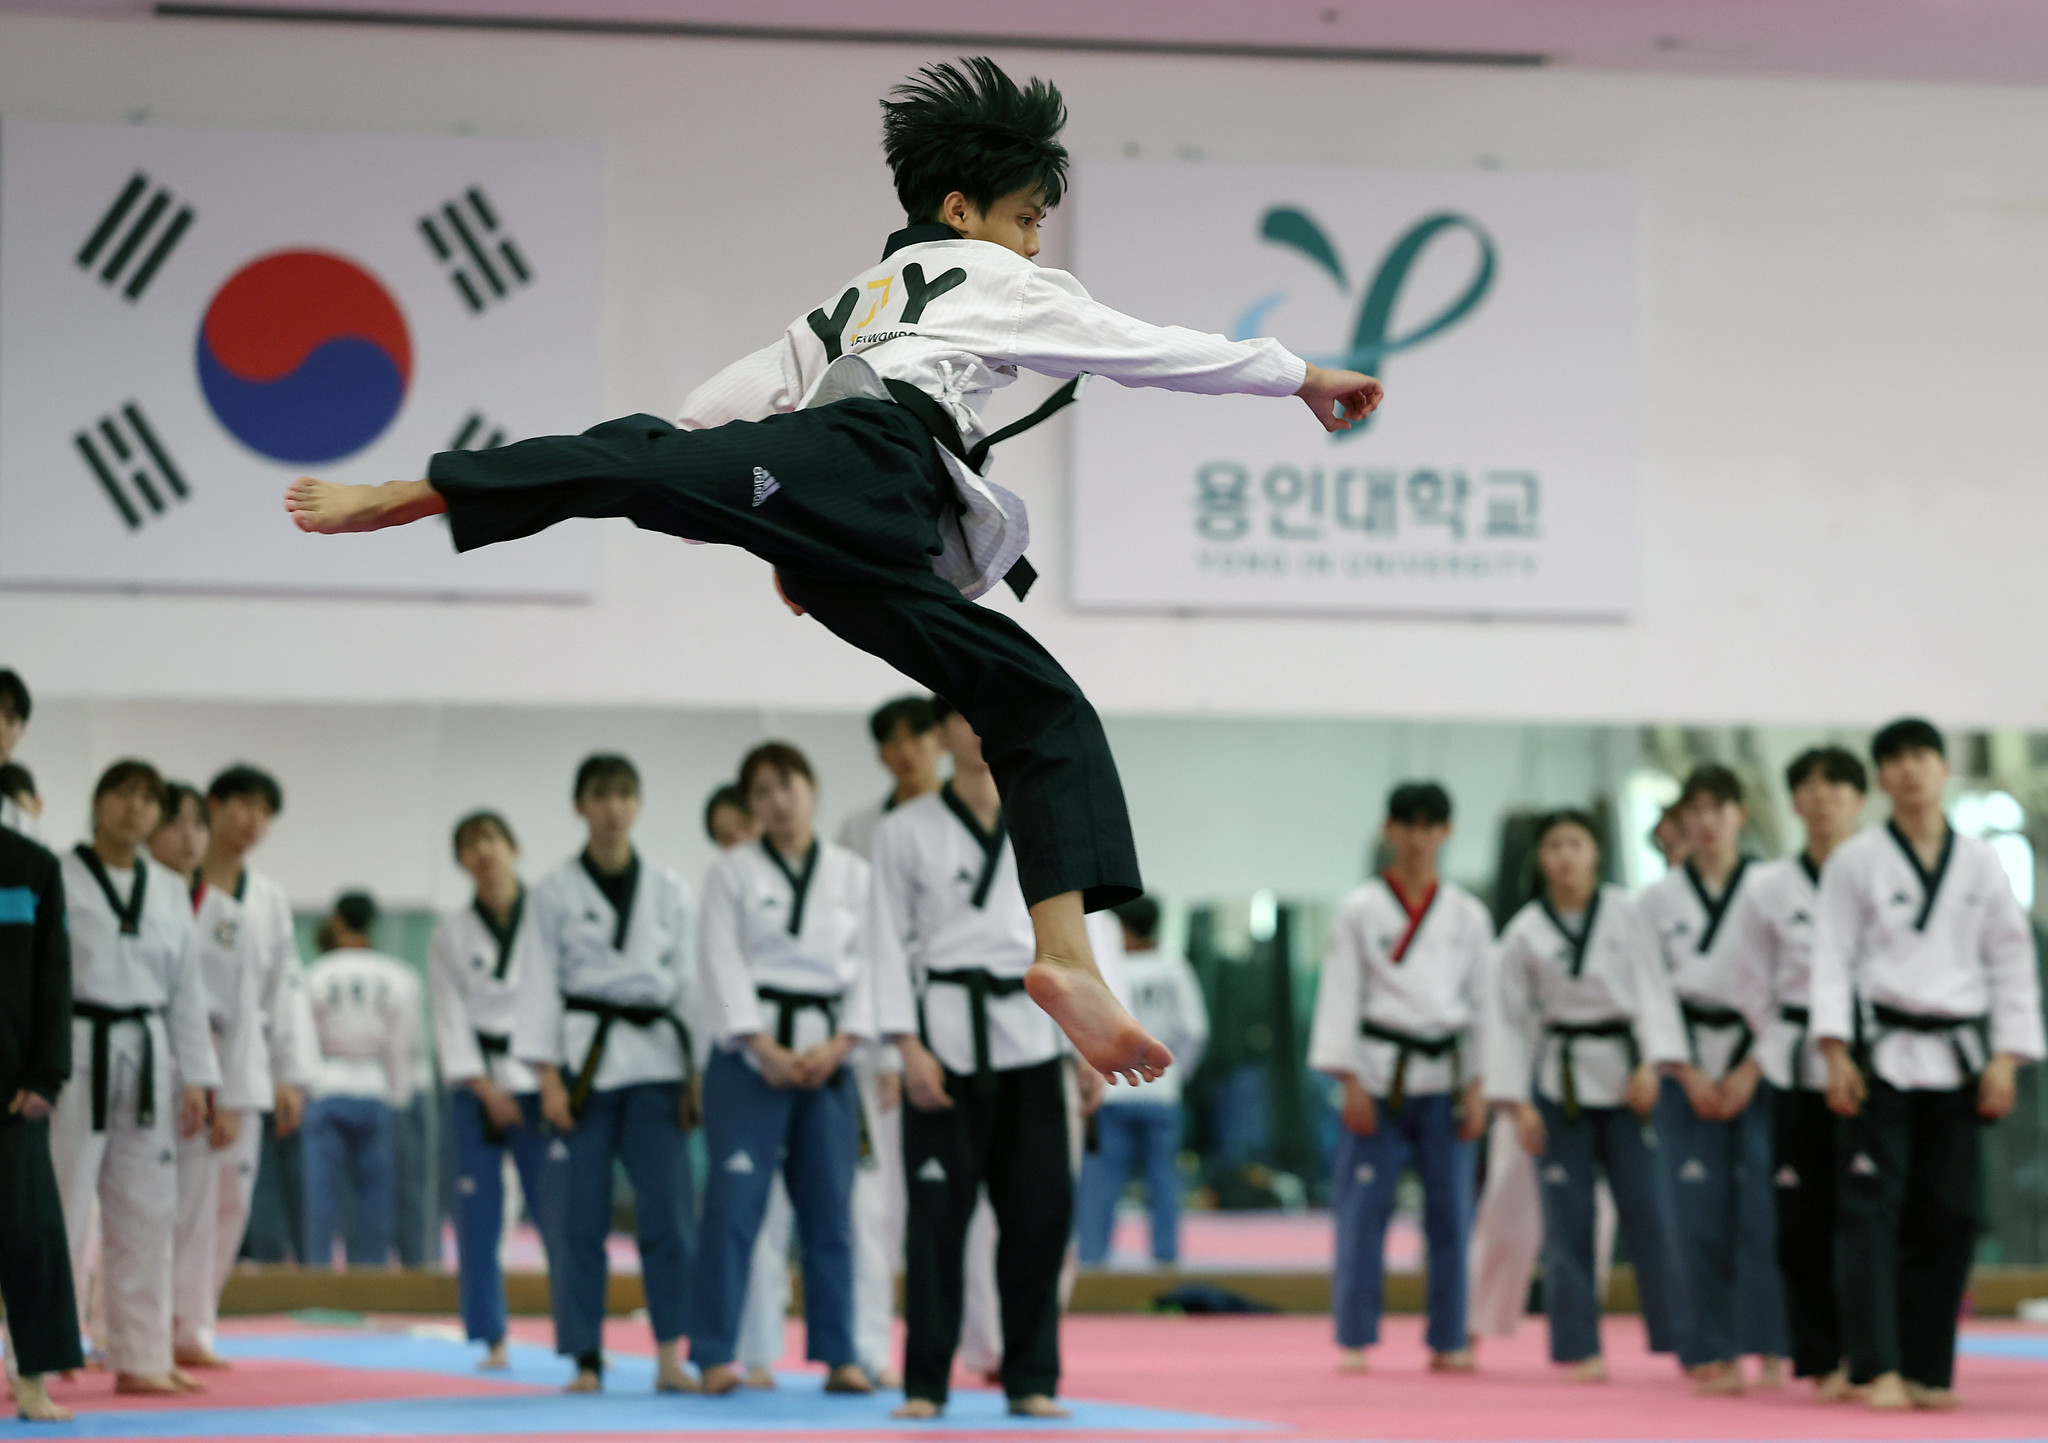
column 304, row 357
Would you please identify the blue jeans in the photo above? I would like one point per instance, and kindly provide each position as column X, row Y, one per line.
column 814, row 1136
column 1611, row 1140
column 349, row 1137
column 1719, row 1178
column 639, row 1127
column 1131, row 1133
column 1364, row 1176
column 480, row 1202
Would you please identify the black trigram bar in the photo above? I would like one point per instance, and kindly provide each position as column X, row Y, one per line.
column 140, row 232
column 484, row 263
column 123, row 451
column 472, row 426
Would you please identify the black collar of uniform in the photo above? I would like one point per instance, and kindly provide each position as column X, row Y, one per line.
column 241, row 884
column 1579, row 940
column 128, row 913
column 1716, row 907
column 619, row 889
column 1810, row 867
column 917, row 235
column 799, row 882
column 1930, row 882
column 990, row 841
column 505, row 935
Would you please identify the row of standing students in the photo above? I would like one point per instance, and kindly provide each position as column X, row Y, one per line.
column 1779, row 1070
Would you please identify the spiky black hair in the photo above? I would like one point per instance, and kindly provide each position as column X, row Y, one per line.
column 970, row 128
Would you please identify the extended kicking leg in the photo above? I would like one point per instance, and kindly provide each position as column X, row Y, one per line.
column 1065, row 981
column 329, row 509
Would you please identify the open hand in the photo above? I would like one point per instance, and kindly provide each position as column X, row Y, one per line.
column 1340, row 399
column 1640, row 1097
column 291, row 1109
column 1472, row 1119
column 1998, row 1088
column 225, row 1127
column 1358, row 1112
column 1529, row 1128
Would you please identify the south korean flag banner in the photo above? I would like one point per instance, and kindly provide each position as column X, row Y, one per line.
column 189, row 319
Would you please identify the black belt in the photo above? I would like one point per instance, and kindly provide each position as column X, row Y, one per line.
column 1894, row 1019
column 1569, row 1034
column 606, row 1014
column 981, row 985
column 1719, row 1019
column 104, row 1020
column 1800, row 1018
column 1407, row 1045
column 492, row 1045
column 789, row 1004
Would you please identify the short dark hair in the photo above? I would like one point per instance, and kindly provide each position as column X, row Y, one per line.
column 1419, row 804
column 1711, row 779
column 1830, row 763
column 1567, row 817
column 725, row 794
column 969, row 127
column 606, row 770
column 941, row 709
column 243, row 780
column 915, row 712
column 176, row 794
column 478, row 821
column 14, row 693
column 16, row 781
column 1140, row 915
column 126, row 773
column 1907, row 734
column 357, row 911
column 785, row 760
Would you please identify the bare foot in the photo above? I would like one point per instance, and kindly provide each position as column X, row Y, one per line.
column 675, row 1378
column 1770, row 1372
column 848, row 1378
column 198, row 1355
column 721, row 1379
column 498, row 1359
column 1589, row 1370
column 587, row 1380
column 32, row 1402
column 1887, row 1393
column 1353, row 1360
column 154, row 1384
column 916, row 1408
column 1834, row 1388
column 326, row 508
column 762, row 1376
column 1097, row 1024
column 186, row 1382
column 1939, row 1399
column 1458, row 1360
column 886, row 1377
column 1718, row 1380
column 1036, row 1405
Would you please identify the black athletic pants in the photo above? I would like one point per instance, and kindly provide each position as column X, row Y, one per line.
column 35, row 1260
column 1011, row 1137
column 1805, row 1149
column 1910, row 1170
column 850, row 524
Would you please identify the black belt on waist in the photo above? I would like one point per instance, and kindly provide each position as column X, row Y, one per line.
column 1896, row 1019
column 1802, row 1020
column 492, row 1045
column 606, row 1014
column 981, row 985
column 1570, row 1034
column 1716, row 1019
column 104, row 1020
column 1407, row 1045
column 789, row 1004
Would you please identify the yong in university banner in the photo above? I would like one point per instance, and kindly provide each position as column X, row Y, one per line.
column 189, row 319
column 1498, row 308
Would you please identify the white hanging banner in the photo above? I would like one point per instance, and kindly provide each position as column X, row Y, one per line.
column 191, row 318
column 1497, row 307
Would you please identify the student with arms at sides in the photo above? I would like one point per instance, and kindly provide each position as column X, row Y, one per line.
column 473, row 967
column 609, row 1007
column 1926, row 999
column 1585, row 1017
column 1397, row 1022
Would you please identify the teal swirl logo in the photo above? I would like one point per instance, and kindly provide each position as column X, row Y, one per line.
column 1372, row 337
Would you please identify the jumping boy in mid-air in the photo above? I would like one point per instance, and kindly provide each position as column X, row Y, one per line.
column 848, row 454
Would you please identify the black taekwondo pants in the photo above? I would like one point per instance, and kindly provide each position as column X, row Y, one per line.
column 1806, row 1192
column 851, row 524
column 35, row 1260
column 1008, row 1134
column 1910, row 1170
